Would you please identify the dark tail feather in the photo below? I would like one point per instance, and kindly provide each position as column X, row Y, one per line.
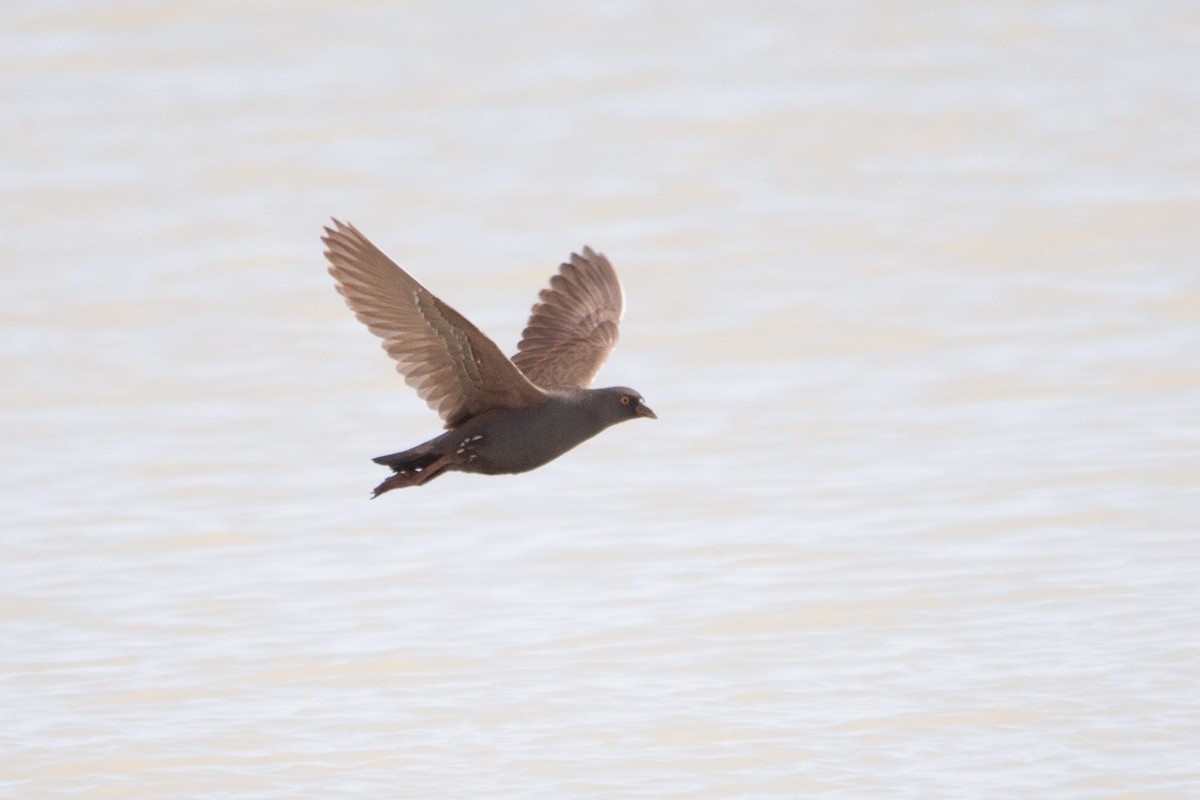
column 412, row 467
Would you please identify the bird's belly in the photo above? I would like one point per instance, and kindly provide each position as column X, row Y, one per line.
column 519, row 444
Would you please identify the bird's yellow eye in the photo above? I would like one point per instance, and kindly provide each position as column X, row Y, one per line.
column 624, row 399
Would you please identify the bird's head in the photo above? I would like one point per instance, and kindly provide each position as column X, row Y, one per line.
column 624, row 403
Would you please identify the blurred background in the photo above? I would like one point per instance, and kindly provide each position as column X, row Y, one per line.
column 913, row 287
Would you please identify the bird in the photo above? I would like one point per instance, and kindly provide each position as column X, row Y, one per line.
column 502, row 415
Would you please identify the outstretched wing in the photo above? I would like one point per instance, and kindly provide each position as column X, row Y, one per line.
column 456, row 369
column 573, row 328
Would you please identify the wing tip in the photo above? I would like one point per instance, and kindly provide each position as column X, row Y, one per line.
column 340, row 232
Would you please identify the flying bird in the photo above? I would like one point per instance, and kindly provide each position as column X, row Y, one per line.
column 502, row 415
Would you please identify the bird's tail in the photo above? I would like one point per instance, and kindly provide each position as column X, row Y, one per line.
column 412, row 467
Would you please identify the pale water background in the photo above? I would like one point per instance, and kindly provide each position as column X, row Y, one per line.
column 914, row 288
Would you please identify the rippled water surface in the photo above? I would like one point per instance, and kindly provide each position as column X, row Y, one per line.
column 914, row 290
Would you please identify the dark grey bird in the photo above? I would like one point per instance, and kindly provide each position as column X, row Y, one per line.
column 503, row 416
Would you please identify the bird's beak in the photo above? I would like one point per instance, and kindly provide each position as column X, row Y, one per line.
column 644, row 410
